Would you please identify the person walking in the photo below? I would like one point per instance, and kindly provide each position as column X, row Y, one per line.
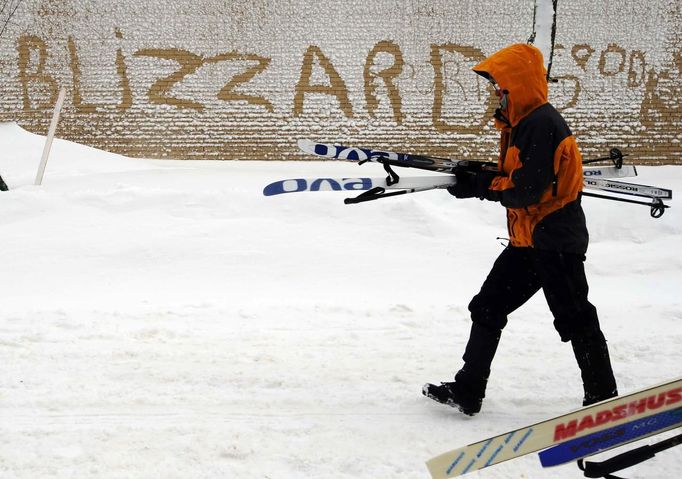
column 539, row 180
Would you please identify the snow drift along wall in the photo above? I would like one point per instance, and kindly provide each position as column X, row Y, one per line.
column 244, row 79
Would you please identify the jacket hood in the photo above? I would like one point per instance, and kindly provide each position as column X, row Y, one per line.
column 520, row 70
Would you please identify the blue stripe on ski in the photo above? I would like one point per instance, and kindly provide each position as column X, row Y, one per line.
column 494, row 455
column 469, row 466
column 455, row 462
column 609, row 438
column 485, row 446
column 523, row 439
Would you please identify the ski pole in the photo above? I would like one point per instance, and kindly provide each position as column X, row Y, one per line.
column 615, row 155
column 657, row 205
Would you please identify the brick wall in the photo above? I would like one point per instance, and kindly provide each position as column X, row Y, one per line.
column 244, row 79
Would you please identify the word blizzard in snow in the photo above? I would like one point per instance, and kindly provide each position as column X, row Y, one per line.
column 39, row 86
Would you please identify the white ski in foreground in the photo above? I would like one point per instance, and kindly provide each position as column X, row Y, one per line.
column 593, row 179
column 414, row 183
column 529, row 439
column 375, row 188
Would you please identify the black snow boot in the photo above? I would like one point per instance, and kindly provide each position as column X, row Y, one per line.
column 592, row 355
column 467, row 391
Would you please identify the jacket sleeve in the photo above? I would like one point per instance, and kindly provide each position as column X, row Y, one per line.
column 534, row 173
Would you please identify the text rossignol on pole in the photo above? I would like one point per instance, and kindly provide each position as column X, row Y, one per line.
column 50, row 136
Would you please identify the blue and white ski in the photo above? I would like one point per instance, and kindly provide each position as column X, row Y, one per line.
column 595, row 178
column 413, row 183
column 443, row 165
column 610, row 438
column 423, row 183
column 431, row 163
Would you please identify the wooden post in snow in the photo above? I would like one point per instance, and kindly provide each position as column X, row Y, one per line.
column 50, row 136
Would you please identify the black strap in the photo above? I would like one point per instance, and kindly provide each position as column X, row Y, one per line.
column 373, row 194
column 392, row 177
column 627, row 459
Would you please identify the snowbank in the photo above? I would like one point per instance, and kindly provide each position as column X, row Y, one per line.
column 164, row 319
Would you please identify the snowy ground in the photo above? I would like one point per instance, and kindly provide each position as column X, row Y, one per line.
column 163, row 319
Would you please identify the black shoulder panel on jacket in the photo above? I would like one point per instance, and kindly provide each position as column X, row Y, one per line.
column 543, row 119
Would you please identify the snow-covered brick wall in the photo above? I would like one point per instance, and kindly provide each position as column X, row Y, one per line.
column 244, row 79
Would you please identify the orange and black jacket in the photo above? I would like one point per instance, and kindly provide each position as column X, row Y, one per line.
column 541, row 178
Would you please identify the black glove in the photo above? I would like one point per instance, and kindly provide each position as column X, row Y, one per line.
column 474, row 185
column 465, row 186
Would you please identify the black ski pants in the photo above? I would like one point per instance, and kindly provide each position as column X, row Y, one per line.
column 518, row 273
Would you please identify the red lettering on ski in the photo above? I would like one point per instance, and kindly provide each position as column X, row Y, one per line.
column 569, row 429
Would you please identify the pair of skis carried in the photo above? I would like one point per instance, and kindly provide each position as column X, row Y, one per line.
column 579, row 434
column 595, row 177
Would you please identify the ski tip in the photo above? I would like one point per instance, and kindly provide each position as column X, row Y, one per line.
column 327, row 150
column 271, row 190
column 285, row 186
column 306, row 146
